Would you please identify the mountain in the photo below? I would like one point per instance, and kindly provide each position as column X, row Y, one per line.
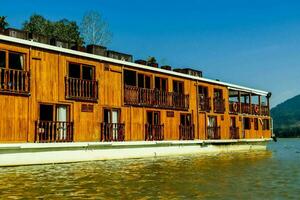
column 286, row 118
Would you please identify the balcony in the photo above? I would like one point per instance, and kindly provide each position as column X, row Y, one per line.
column 246, row 108
column 155, row 98
column 213, row 133
column 51, row 131
column 154, row 132
column 81, row 90
column 234, row 133
column 204, row 103
column 112, row 132
column 16, row 82
column 219, row 105
column 186, row 132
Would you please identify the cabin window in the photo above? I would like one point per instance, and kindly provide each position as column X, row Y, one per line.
column 112, row 115
column 153, row 118
column 130, row 77
column 247, row 123
column 178, row 87
column 53, row 112
column 2, row 59
column 16, row 61
column 218, row 93
column 144, row 81
column 266, row 124
column 212, row 121
column 161, row 83
column 233, row 122
column 256, row 124
column 203, row 91
column 81, row 71
column 185, row 119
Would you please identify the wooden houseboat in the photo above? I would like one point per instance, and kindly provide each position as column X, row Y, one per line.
column 52, row 96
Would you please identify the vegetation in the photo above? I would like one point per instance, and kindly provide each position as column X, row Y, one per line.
column 286, row 118
column 94, row 29
column 63, row 30
column 3, row 22
column 151, row 59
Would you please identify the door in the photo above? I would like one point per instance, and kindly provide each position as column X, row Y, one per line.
column 115, row 121
column 62, row 119
column 111, row 124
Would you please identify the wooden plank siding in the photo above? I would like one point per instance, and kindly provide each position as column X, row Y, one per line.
column 48, row 70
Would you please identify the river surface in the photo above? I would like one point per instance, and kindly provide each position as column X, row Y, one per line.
column 272, row 174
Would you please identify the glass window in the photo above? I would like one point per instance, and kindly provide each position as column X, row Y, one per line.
column 247, row 123
column 130, row 77
column 87, row 72
column 74, row 70
column 2, row 59
column 266, row 124
column 16, row 61
column 256, row 124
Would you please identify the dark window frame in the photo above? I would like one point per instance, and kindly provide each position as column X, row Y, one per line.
column 81, row 66
column 160, row 87
column 7, row 60
column 247, row 123
column 110, row 110
column 54, row 111
column 177, row 83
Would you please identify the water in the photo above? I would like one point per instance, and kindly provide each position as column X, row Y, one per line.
column 272, row 174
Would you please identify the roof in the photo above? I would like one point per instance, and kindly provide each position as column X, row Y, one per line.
column 134, row 65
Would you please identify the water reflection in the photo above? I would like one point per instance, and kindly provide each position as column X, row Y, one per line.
column 257, row 175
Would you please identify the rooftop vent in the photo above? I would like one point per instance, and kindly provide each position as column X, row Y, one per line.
column 166, row 67
column 189, row 71
column 141, row 62
column 16, row 33
column 119, row 56
column 96, row 49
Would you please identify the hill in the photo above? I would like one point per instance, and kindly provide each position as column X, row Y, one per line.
column 286, row 118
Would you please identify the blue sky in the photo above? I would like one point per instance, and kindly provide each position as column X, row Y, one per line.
column 252, row 43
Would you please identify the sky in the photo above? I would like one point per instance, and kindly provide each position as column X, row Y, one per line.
column 253, row 43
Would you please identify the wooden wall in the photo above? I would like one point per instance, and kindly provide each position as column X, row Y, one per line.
column 48, row 70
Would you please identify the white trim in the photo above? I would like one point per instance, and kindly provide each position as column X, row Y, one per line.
column 102, row 58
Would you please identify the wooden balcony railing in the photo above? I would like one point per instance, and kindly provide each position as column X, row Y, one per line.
column 186, row 132
column 154, row 132
column 265, row 110
column 255, row 109
column 112, row 132
column 51, row 131
column 155, row 98
column 234, row 133
column 14, row 82
column 234, row 107
column 246, row 108
column 82, row 90
column 213, row 133
column 219, row 105
column 204, row 103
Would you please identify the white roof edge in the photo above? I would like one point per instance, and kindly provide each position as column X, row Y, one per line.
column 102, row 58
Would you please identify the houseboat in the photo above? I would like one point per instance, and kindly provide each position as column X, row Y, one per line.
column 64, row 103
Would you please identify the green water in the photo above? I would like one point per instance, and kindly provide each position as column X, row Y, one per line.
column 272, row 174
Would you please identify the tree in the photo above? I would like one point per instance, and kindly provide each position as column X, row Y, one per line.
column 3, row 22
column 94, row 29
column 63, row 30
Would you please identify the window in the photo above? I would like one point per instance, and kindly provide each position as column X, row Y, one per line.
column 178, row 87
column 203, row 91
column 111, row 116
column 153, row 118
column 232, row 122
column 185, row 120
column 144, row 81
column 247, row 123
column 161, row 84
column 218, row 93
column 212, row 121
column 2, row 59
column 130, row 77
column 53, row 112
column 266, row 124
column 256, row 124
column 81, row 71
column 16, row 61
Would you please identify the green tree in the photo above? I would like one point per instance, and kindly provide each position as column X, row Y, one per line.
column 94, row 29
column 63, row 30
column 3, row 22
